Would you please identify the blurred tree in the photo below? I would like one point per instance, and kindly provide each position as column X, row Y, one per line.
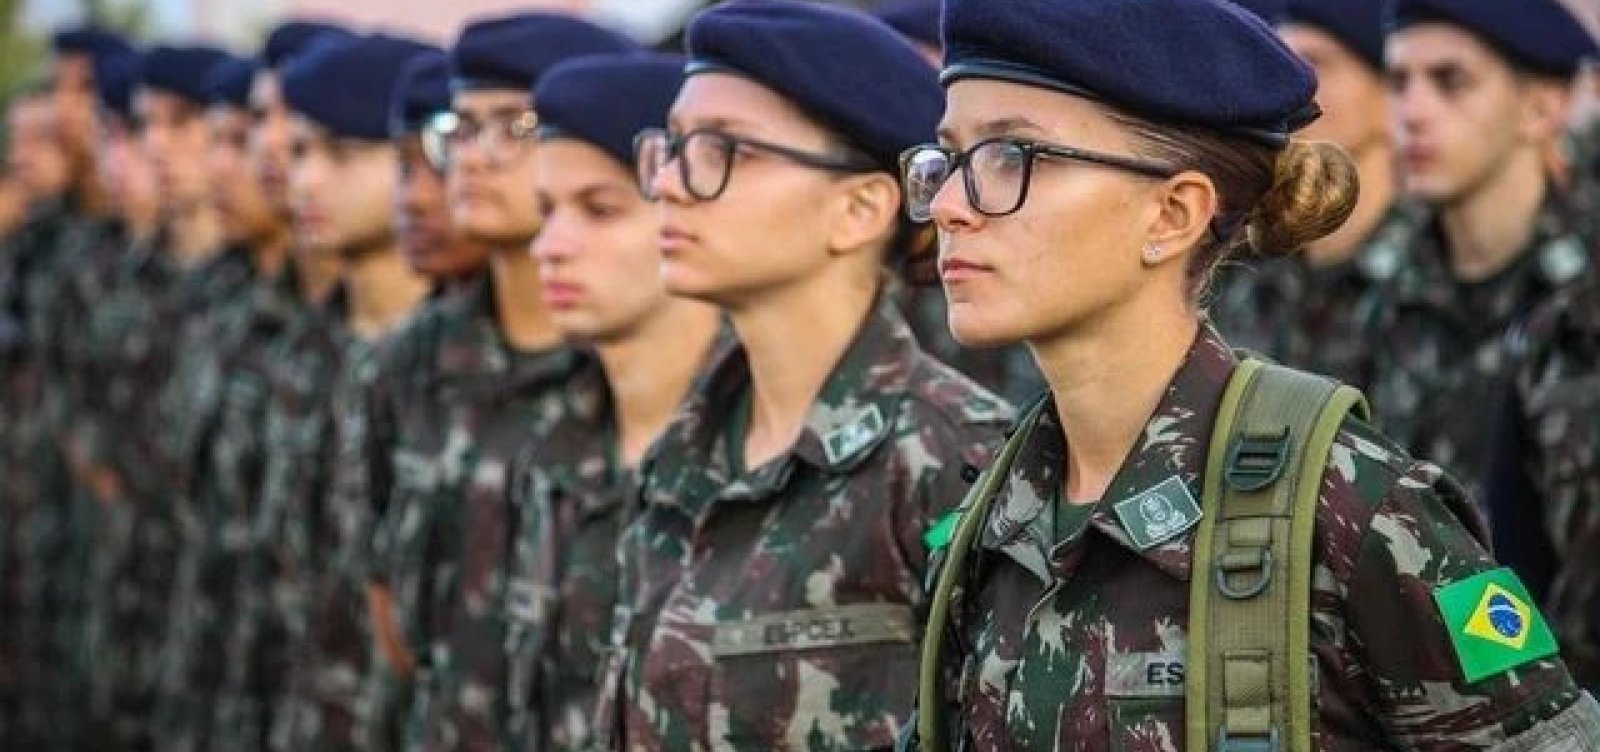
column 22, row 54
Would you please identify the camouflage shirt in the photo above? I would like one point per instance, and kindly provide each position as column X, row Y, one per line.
column 571, row 502
column 1547, row 520
column 777, row 609
column 1054, row 653
column 1441, row 360
column 1315, row 318
column 455, row 406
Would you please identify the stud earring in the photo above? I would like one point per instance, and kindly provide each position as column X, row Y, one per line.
column 1152, row 254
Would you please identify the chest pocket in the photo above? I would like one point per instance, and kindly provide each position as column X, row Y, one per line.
column 830, row 678
column 1144, row 698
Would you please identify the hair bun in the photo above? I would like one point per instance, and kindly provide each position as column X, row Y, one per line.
column 1314, row 190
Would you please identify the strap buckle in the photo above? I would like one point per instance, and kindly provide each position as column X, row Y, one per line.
column 1243, row 561
column 1228, row 743
column 1256, row 461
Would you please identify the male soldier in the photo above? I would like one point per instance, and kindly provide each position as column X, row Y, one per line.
column 1479, row 95
column 342, row 178
column 462, row 388
column 1311, row 311
column 228, row 464
column 1009, row 371
column 128, row 188
column 35, row 495
column 455, row 263
column 196, row 278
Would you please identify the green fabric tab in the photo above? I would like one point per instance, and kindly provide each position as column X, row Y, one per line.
column 942, row 531
column 1493, row 624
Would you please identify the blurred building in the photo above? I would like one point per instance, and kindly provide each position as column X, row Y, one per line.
column 241, row 23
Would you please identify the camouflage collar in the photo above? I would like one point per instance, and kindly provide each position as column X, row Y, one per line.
column 852, row 416
column 1557, row 255
column 1174, row 445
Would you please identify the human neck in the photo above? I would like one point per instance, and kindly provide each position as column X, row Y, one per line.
column 382, row 290
column 1489, row 228
column 524, row 321
column 1375, row 166
column 787, row 372
column 195, row 235
column 270, row 252
column 1106, row 391
column 649, row 372
column 316, row 275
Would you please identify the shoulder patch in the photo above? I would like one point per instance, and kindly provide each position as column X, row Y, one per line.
column 1493, row 624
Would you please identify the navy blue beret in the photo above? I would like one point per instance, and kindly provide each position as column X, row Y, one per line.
column 605, row 100
column 1539, row 35
column 345, row 86
column 512, row 52
column 422, row 91
column 1357, row 24
column 230, row 82
column 293, row 37
column 182, row 71
column 917, row 20
column 844, row 68
column 1200, row 63
column 90, row 41
column 115, row 76
column 1270, row 11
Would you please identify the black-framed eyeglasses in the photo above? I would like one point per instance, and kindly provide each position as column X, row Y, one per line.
column 500, row 139
column 996, row 172
column 705, row 159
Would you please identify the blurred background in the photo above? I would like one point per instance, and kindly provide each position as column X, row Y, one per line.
column 239, row 24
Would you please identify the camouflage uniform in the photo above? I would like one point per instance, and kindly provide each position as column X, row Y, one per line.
column 50, row 555
column 130, row 352
column 228, row 484
column 81, row 281
column 1009, row 371
column 1441, row 361
column 571, row 500
column 1053, row 654
column 1317, row 319
column 318, row 516
column 217, row 299
column 454, row 407
column 778, row 609
column 1544, row 485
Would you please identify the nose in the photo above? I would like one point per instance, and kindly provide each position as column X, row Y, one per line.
column 667, row 182
column 951, row 210
column 556, row 242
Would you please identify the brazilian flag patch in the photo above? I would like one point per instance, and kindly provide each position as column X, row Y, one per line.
column 1493, row 624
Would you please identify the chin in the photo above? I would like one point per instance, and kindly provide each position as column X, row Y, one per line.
column 973, row 330
column 682, row 282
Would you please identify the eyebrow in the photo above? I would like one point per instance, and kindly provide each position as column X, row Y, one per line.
column 1005, row 126
column 504, row 111
column 720, row 123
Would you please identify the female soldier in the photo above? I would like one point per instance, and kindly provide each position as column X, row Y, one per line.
column 1092, row 203
column 601, row 276
column 772, row 578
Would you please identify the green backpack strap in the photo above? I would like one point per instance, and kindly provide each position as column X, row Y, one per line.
column 930, row 707
column 1249, row 673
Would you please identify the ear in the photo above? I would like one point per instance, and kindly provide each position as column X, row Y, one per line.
column 1185, row 205
column 867, row 212
column 1545, row 110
